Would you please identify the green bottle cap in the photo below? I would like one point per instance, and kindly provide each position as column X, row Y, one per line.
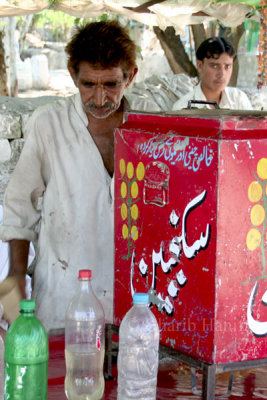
column 27, row 305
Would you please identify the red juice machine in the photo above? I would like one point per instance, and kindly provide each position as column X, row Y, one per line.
column 191, row 230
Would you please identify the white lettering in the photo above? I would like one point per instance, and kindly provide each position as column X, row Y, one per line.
column 191, row 251
column 181, row 278
column 257, row 327
column 173, row 290
column 143, row 267
column 175, row 247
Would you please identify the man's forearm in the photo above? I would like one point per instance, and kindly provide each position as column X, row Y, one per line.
column 19, row 251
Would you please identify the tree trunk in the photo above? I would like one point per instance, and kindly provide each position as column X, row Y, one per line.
column 175, row 51
column 24, row 29
column 3, row 75
column 10, row 32
column 233, row 37
column 199, row 34
column 240, row 29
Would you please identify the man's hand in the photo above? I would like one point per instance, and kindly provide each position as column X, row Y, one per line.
column 19, row 250
column 3, row 333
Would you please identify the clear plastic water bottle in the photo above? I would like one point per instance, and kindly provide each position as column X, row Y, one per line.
column 84, row 343
column 26, row 356
column 138, row 352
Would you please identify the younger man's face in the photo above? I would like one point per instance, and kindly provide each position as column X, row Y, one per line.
column 215, row 73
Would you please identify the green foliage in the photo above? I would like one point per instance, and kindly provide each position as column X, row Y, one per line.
column 50, row 17
column 103, row 17
column 58, row 23
column 252, row 34
column 253, row 3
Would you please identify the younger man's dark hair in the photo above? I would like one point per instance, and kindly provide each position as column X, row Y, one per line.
column 102, row 44
column 214, row 47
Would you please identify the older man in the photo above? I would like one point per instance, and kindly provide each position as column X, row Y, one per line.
column 60, row 194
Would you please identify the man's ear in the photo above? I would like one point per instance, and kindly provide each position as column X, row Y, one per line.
column 199, row 65
column 73, row 75
column 131, row 76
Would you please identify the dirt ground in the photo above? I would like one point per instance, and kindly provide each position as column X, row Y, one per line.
column 60, row 84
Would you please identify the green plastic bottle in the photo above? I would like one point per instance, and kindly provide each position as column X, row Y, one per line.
column 26, row 356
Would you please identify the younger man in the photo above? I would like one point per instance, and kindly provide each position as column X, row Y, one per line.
column 215, row 57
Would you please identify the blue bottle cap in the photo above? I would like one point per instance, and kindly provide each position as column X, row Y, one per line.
column 141, row 298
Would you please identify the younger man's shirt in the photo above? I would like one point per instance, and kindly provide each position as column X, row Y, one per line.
column 232, row 98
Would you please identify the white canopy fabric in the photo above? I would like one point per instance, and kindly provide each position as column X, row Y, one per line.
column 176, row 13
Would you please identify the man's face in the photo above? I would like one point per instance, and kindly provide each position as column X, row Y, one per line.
column 215, row 73
column 101, row 90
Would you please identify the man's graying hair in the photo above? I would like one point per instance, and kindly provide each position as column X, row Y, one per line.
column 104, row 45
column 214, row 47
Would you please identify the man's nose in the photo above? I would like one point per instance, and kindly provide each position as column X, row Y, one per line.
column 99, row 95
column 221, row 71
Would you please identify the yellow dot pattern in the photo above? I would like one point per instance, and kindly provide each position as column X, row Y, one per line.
column 134, row 232
column 253, row 239
column 255, row 192
column 123, row 190
column 134, row 212
column 257, row 214
column 124, row 211
column 134, row 190
column 140, row 171
column 130, row 170
column 262, row 168
column 129, row 192
column 122, row 166
column 125, row 231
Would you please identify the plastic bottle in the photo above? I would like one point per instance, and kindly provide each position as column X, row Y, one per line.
column 26, row 356
column 2, row 368
column 84, row 343
column 138, row 352
column 2, row 365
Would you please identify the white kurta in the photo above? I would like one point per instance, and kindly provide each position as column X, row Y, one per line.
column 232, row 98
column 60, row 195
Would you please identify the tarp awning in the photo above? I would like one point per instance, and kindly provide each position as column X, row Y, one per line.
column 162, row 13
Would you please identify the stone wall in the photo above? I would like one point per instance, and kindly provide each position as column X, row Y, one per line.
column 158, row 94
column 14, row 113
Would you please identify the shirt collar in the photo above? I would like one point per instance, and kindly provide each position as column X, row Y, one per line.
column 79, row 108
column 225, row 100
column 199, row 95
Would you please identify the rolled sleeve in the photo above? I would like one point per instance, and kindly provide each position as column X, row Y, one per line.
column 11, row 232
column 24, row 193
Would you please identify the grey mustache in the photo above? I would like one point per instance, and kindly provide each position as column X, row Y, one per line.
column 95, row 107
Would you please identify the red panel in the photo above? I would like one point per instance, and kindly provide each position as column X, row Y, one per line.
column 187, row 223
column 182, row 215
column 213, row 125
column 241, row 227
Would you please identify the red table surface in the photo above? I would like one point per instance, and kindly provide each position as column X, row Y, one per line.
column 174, row 381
